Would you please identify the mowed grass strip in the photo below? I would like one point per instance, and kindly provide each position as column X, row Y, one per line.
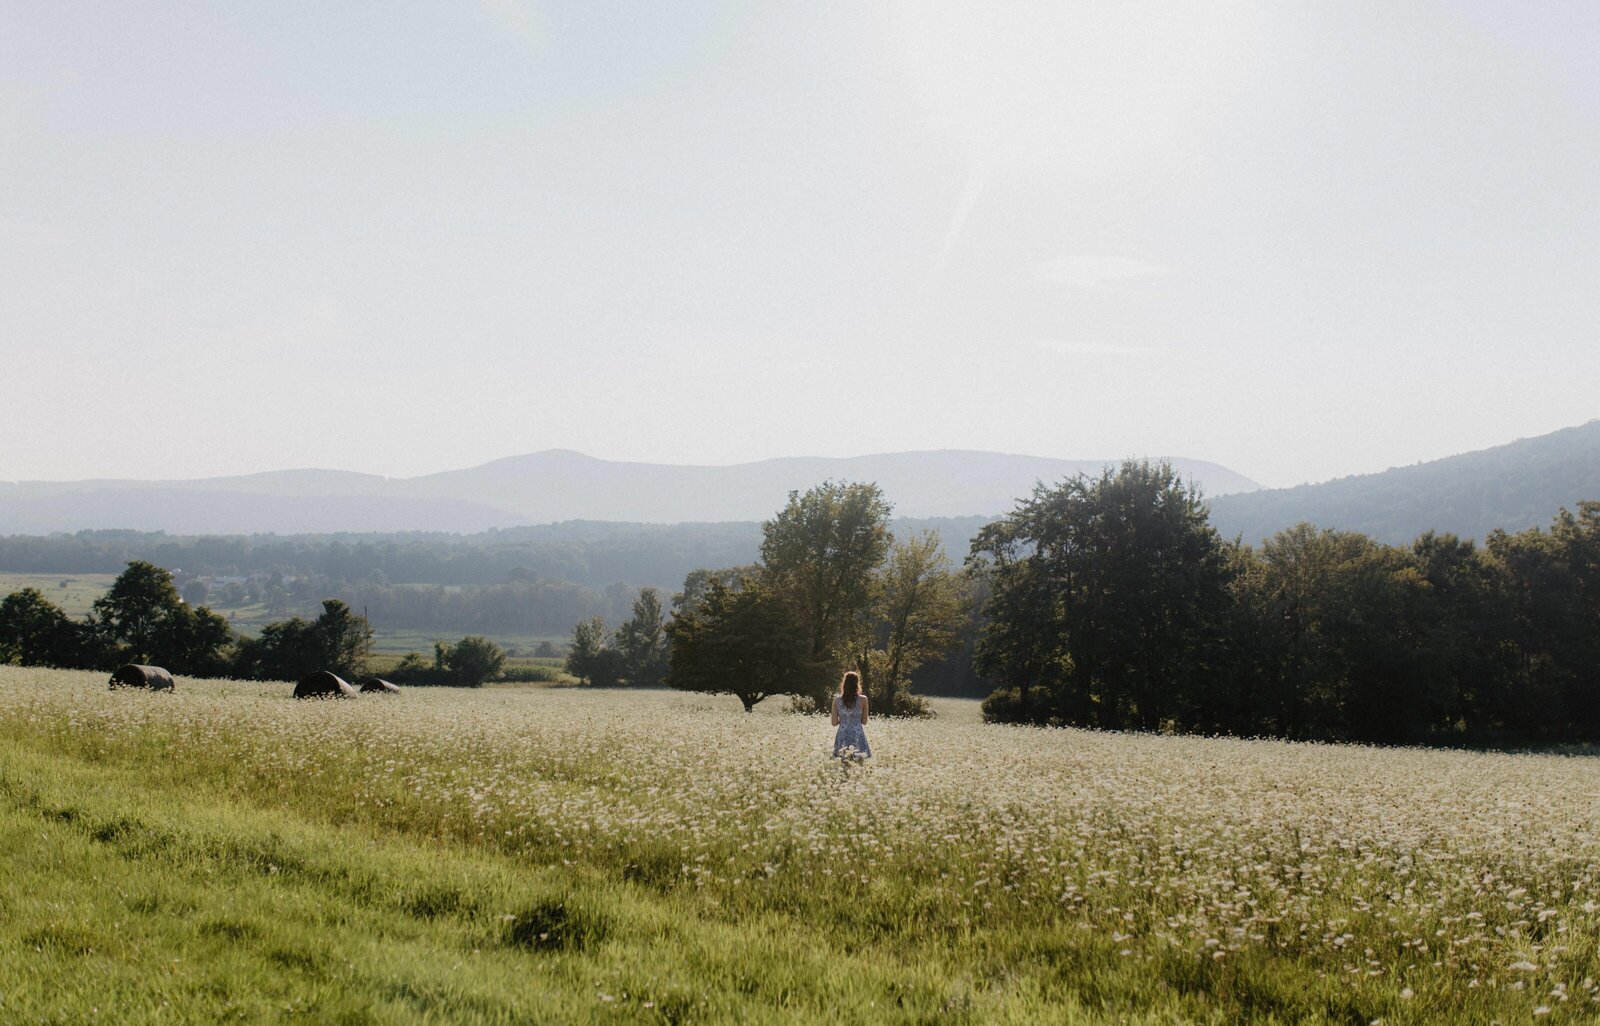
column 227, row 854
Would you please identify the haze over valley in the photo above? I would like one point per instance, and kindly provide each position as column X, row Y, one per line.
column 1512, row 486
column 541, row 488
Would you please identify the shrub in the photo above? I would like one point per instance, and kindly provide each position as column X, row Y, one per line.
column 1004, row 706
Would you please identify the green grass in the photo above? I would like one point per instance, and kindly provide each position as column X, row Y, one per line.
column 226, row 854
column 142, row 906
column 131, row 898
column 130, row 903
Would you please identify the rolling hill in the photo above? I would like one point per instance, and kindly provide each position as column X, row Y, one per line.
column 1513, row 486
column 540, row 488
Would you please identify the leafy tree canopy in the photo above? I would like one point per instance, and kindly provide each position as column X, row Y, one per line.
column 474, row 660
column 641, row 642
column 822, row 550
column 748, row 640
column 35, row 632
column 590, row 658
column 1105, row 596
column 142, row 619
column 338, row 640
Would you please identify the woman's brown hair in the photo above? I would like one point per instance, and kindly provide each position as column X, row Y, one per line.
column 850, row 687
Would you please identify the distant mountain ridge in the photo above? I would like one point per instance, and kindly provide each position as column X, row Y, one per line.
column 1514, row 486
column 543, row 487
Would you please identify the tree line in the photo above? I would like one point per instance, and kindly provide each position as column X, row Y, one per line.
column 1107, row 602
column 832, row 589
column 142, row 618
column 1114, row 603
column 521, row 605
column 590, row 555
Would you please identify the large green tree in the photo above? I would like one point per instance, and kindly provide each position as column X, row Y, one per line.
column 830, row 569
column 748, row 640
column 1106, row 592
column 201, row 643
column 139, row 611
column 1019, row 642
column 35, row 632
column 473, row 661
column 338, row 640
column 590, row 658
column 641, row 641
column 920, row 608
column 1466, row 659
column 1345, row 623
column 142, row 619
column 822, row 553
column 1552, row 594
column 343, row 638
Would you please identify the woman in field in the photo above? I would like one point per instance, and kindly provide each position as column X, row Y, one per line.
column 850, row 715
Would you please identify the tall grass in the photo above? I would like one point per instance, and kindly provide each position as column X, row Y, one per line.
column 228, row 854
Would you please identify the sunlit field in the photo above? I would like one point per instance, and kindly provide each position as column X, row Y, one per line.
column 227, row 854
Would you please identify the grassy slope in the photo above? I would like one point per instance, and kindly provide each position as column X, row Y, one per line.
column 163, row 867
column 131, row 901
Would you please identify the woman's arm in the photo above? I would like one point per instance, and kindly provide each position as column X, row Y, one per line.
column 833, row 718
column 863, row 701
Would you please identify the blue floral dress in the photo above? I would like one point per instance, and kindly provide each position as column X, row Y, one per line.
column 851, row 739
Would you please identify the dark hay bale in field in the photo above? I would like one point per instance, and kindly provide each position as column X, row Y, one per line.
column 378, row 684
column 324, row 684
column 132, row 675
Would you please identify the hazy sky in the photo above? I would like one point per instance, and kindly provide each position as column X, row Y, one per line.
column 1301, row 240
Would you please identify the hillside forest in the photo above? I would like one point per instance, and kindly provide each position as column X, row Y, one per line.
column 1108, row 602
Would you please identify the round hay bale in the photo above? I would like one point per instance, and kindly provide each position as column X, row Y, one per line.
column 381, row 686
column 324, row 684
column 134, row 675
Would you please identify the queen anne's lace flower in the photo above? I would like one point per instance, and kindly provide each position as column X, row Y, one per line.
column 1391, row 863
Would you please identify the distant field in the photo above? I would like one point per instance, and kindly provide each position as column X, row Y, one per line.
column 388, row 645
column 389, row 641
column 562, row 855
column 74, row 593
column 399, row 642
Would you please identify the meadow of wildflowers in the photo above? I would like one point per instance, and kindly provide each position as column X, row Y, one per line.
column 556, row 854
